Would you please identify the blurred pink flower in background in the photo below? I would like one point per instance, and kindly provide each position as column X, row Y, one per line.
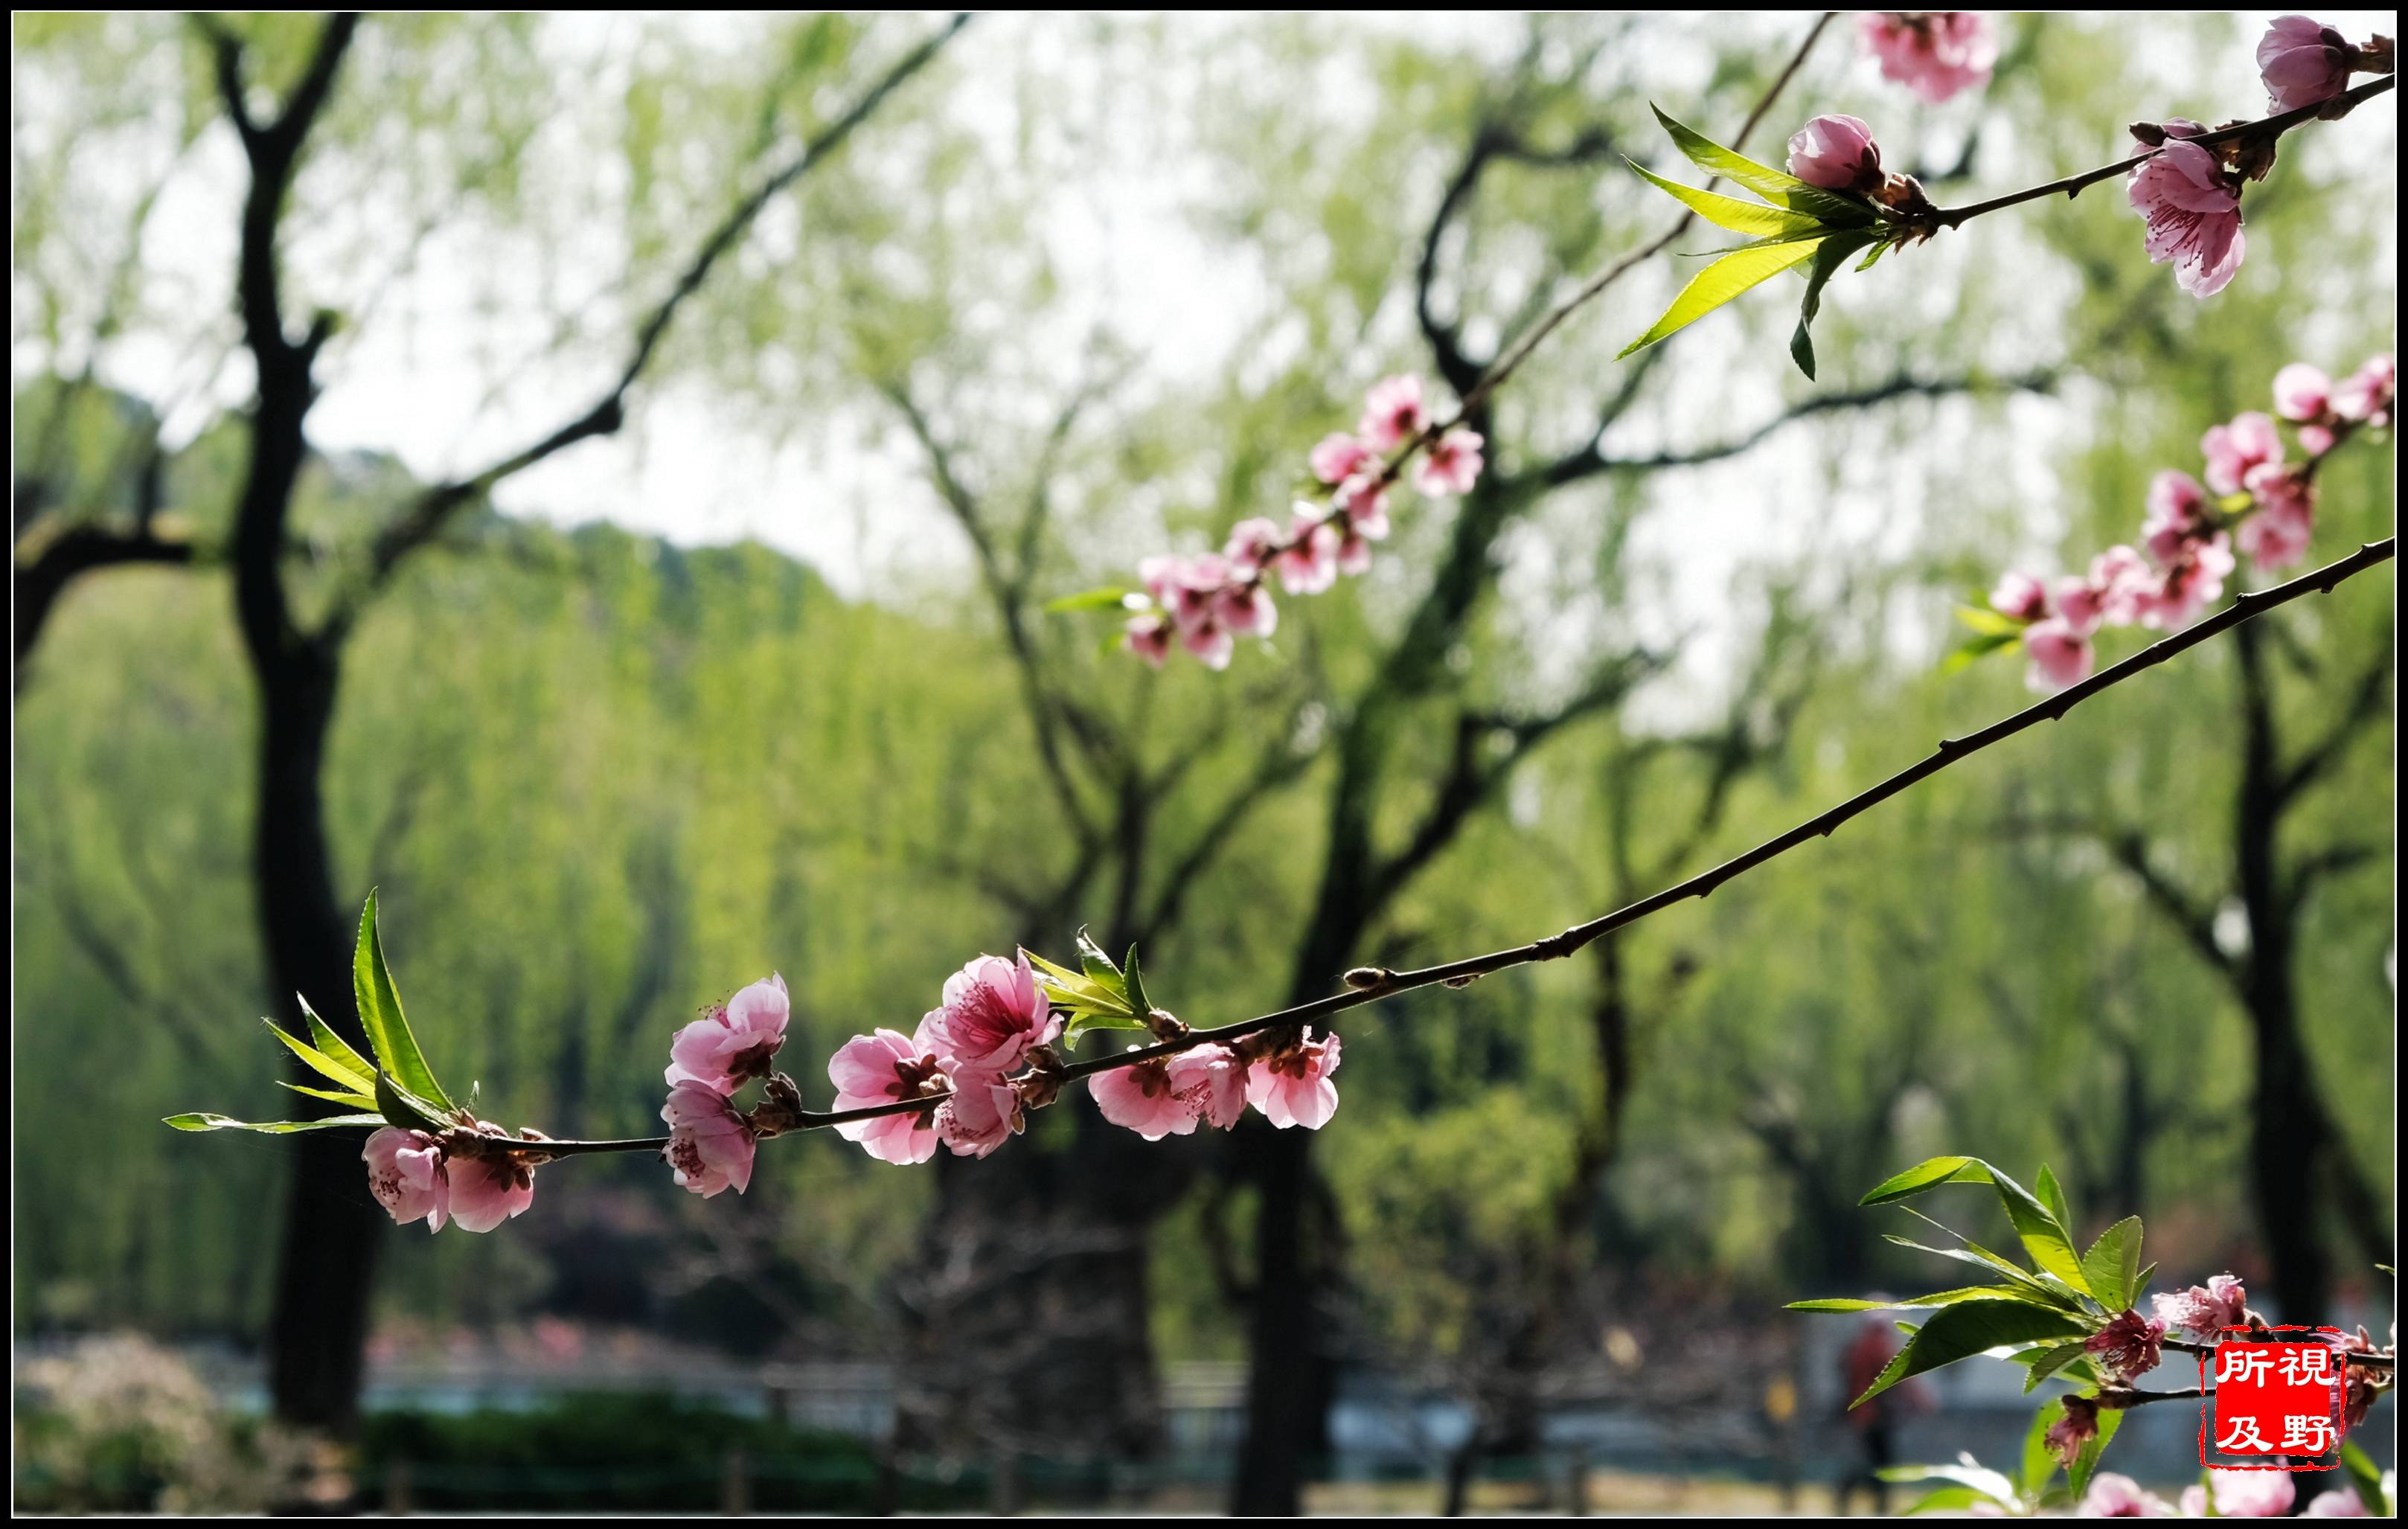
column 1451, row 465
column 1393, row 413
column 2237, row 449
column 1934, row 54
column 2059, row 655
column 2242, row 1494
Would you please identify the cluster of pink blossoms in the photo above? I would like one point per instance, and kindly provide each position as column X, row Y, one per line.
column 1206, row 603
column 2257, row 1493
column 2187, row 540
column 462, row 1176
column 986, row 1058
column 1934, row 54
column 711, row 1141
column 2190, row 196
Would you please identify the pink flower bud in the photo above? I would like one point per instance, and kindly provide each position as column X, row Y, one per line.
column 1837, row 153
column 710, row 1147
column 2059, row 656
column 2194, row 216
column 1292, row 1086
column 733, row 1042
column 406, row 1175
column 2021, row 596
column 2303, row 62
column 1451, row 465
column 1339, row 457
column 2301, row 393
column 1393, row 413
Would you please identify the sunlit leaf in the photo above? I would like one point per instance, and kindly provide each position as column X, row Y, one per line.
column 1718, row 283
column 1729, row 213
column 381, row 1013
column 204, row 1122
column 1778, row 186
column 1960, row 1332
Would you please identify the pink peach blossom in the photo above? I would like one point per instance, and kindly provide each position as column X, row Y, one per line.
column 2276, row 533
column 1246, row 610
column 994, row 1015
column 733, row 1042
column 1212, row 1081
column 1837, row 153
column 1252, row 545
column 2021, row 596
column 1935, row 53
column 2340, row 1503
column 1339, row 457
column 2248, row 1494
column 1292, row 1086
column 1210, row 642
column 2190, row 585
column 2303, row 62
column 486, row 1192
column 983, row 1113
column 2235, row 451
column 2076, row 1427
column 2301, row 393
column 1142, row 1097
column 1309, row 563
column 406, row 1175
column 2177, row 511
column 2127, row 1347
column 2059, row 655
column 711, row 1147
column 881, row 1068
column 2366, row 393
column 1393, row 413
column 1354, row 551
column 2114, row 1496
column 1364, row 504
column 2194, row 216
column 2203, row 1310
column 1147, row 637
column 1451, row 465
column 2126, row 584
column 2317, row 439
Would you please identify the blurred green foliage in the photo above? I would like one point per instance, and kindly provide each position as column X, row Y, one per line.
column 599, row 779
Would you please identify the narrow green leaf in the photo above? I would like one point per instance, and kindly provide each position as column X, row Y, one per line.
column 1989, row 622
column 1957, row 1333
column 1138, row 1004
column 340, row 1096
column 1937, row 1297
column 201, row 1120
column 2051, row 1361
column 402, row 1109
column 1754, row 218
column 2112, row 1267
column 323, row 1035
column 381, row 1013
column 1827, row 259
column 2366, row 1479
column 1973, row 649
column 2052, row 1195
column 1721, row 281
column 1976, row 1478
column 1881, row 247
column 2077, row 1476
column 1929, row 1174
column 1778, row 186
column 1080, row 1023
column 1110, row 595
column 1943, row 1500
column 319, row 1062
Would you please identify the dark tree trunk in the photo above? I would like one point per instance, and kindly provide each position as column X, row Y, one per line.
column 2289, row 1132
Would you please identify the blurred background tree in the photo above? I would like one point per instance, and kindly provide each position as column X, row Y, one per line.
column 1086, row 289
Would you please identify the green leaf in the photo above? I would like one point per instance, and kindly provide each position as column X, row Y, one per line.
column 1828, row 259
column 1973, row 649
column 1929, row 1174
column 1109, row 596
column 1138, row 1004
column 204, row 1122
column 1881, row 247
column 320, row 1063
column 2077, row 1476
column 1937, row 1297
column 1989, row 622
column 2112, row 1267
column 381, row 1013
column 2052, row 1195
column 405, row 1109
column 1721, row 281
column 2367, row 1479
column 323, row 1035
column 340, row 1096
column 1975, row 1478
column 1778, row 186
column 1945, row 1500
column 1100, row 970
column 1753, row 218
column 2049, row 1362
column 1956, row 1332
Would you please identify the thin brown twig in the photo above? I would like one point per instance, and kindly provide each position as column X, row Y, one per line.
column 1382, row 985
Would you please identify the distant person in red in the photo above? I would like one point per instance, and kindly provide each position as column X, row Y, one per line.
column 1875, row 1422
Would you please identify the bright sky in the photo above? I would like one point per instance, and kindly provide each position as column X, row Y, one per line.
column 429, row 374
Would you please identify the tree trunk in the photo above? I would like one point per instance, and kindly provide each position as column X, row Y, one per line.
column 2288, row 1128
